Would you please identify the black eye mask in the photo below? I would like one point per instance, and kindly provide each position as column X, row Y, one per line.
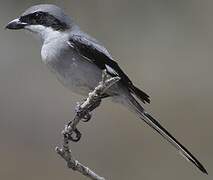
column 45, row 19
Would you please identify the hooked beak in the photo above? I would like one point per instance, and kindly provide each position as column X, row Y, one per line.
column 15, row 24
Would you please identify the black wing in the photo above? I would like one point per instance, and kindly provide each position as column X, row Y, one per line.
column 100, row 58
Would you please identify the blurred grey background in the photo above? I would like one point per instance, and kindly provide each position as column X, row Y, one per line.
column 165, row 46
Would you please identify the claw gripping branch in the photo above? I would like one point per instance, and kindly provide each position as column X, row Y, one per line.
column 83, row 113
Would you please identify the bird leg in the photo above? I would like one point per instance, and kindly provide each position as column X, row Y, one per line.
column 83, row 115
column 93, row 106
column 84, row 109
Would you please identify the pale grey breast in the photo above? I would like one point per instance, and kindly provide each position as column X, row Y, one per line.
column 71, row 69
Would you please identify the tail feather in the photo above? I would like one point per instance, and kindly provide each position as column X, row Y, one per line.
column 137, row 108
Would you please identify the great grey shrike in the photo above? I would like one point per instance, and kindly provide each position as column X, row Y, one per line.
column 78, row 60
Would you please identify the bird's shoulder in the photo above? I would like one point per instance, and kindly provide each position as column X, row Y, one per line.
column 80, row 38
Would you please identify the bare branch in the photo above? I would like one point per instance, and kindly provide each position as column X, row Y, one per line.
column 83, row 112
column 65, row 153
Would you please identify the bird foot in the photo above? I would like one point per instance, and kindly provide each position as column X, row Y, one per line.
column 74, row 135
column 86, row 115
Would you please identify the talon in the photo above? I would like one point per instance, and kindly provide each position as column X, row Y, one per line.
column 77, row 136
column 87, row 117
column 69, row 123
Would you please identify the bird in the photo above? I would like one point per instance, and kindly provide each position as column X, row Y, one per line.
column 78, row 60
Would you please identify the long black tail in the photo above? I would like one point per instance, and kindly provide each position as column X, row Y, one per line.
column 137, row 108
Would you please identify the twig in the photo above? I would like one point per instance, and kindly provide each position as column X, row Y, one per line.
column 65, row 153
column 83, row 112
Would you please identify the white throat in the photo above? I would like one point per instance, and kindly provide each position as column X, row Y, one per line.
column 46, row 34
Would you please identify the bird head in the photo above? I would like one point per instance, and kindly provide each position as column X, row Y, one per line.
column 42, row 20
